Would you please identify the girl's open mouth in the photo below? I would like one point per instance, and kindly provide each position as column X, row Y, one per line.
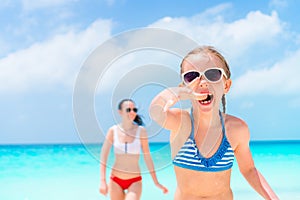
column 207, row 101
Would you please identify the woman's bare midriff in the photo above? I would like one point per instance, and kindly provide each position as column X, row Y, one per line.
column 126, row 166
column 197, row 185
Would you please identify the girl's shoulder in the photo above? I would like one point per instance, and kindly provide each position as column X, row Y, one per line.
column 236, row 129
column 234, row 121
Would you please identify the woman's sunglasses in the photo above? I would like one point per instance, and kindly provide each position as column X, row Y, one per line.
column 212, row 75
column 131, row 109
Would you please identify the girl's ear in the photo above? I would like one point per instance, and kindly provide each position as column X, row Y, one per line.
column 227, row 85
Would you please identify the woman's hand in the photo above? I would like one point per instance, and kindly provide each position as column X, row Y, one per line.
column 163, row 188
column 103, row 188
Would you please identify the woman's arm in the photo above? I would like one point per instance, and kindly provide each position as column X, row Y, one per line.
column 103, row 160
column 246, row 164
column 148, row 159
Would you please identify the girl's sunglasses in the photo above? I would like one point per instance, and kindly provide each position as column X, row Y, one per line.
column 133, row 109
column 212, row 75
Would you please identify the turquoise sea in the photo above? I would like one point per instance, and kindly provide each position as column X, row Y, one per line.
column 65, row 172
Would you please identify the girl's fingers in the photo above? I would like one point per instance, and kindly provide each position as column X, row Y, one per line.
column 199, row 96
column 183, row 93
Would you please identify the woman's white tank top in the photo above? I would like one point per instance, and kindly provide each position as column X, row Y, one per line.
column 127, row 148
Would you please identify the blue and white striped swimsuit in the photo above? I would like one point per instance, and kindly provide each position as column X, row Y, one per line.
column 189, row 156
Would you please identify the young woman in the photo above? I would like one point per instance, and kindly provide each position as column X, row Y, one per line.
column 205, row 141
column 127, row 138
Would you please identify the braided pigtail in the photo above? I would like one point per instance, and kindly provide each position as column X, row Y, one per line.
column 224, row 103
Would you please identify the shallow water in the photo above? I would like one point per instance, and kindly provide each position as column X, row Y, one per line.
column 42, row 172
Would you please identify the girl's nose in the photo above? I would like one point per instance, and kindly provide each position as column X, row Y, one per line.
column 203, row 83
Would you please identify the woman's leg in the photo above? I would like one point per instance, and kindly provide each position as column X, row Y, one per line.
column 134, row 191
column 115, row 191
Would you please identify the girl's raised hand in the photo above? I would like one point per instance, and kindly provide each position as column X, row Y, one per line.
column 182, row 93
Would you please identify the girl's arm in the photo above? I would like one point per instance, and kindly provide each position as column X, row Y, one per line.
column 247, row 167
column 148, row 159
column 103, row 160
column 160, row 108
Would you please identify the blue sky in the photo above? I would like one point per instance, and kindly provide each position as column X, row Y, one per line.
column 44, row 43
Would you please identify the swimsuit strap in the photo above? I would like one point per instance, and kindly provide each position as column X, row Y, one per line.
column 137, row 136
column 192, row 123
column 115, row 128
column 222, row 122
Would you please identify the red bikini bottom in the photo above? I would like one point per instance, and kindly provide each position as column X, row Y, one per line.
column 125, row 183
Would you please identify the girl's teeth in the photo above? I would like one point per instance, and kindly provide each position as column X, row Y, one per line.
column 205, row 102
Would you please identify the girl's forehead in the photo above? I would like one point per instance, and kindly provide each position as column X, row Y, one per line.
column 200, row 62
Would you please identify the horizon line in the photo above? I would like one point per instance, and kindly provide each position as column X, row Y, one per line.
column 152, row 142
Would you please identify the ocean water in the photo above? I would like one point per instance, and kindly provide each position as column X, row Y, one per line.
column 63, row 172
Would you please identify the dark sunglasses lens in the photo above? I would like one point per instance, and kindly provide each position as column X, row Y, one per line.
column 133, row 109
column 190, row 76
column 213, row 75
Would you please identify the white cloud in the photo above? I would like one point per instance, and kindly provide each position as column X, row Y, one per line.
column 128, row 69
column 37, row 4
column 280, row 79
column 37, row 64
column 52, row 62
column 235, row 37
column 134, row 50
column 238, row 37
column 256, row 27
